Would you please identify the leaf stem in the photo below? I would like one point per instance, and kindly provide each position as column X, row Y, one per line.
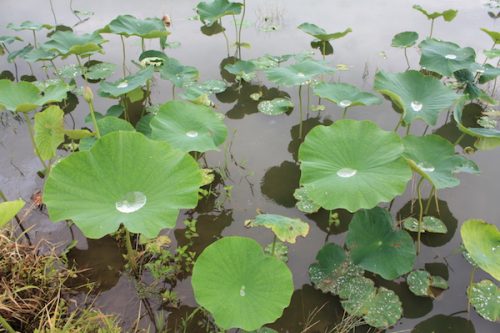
column 225, row 37
column 420, row 212
column 407, row 60
column 300, row 112
column 459, row 139
column 273, row 248
column 241, row 26
column 471, row 281
column 432, row 28
column 130, row 251
column 6, row 325
column 94, row 120
column 124, row 67
column 344, row 113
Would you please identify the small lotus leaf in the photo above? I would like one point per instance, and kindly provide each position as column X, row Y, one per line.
column 240, row 285
column 445, row 58
column 485, row 297
column 448, row 15
column 482, row 242
column 188, row 126
column 345, row 95
column 39, row 54
column 304, row 204
column 492, row 54
column 126, row 85
column 285, row 228
column 126, row 179
column 211, row 12
column 128, row 25
column 178, row 74
column 243, row 70
column 405, row 39
column 489, row 73
column 28, row 25
column 298, row 74
column 49, row 131
column 196, row 90
column 25, row 96
column 429, row 224
column 21, row 53
column 377, row 247
column 420, row 283
column 9, row 209
column 106, row 125
column 419, row 96
column 275, row 106
column 352, row 165
column 494, row 35
column 320, row 33
column 100, row 71
column 66, row 43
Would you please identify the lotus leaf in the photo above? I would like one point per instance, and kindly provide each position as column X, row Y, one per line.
column 100, row 71
column 21, row 53
column 420, row 283
column 49, row 131
column 345, row 95
column 489, row 73
column 119, row 182
column 482, row 242
column 445, row 58
column 9, row 209
column 485, row 297
column 39, row 54
column 405, row 39
column 196, row 91
column 377, row 247
column 277, row 249
column 429, row 224
column 211, row 12
column 28, row 25
column 128, row 25
column 66, row 43
column 352, row 165
column 106, row 125
column 276, row 106
column 243, row 70
column 188, row 126
column 492, row 54
column 285, row 228
column 178, row 74
column 25, row 96
column 320, row 33
column 126, row 85
column 304, row 204
column 240, row 285
column 419, row 96
column 494, row 35
column 298, row 74
column 448, row 15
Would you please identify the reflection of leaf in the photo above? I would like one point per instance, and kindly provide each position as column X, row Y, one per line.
column 285, row 228
column 485, row 297
column 445, row 324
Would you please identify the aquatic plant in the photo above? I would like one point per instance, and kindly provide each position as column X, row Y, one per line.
column 9, row 209
column 447, row 15
column 445, row 58
column 275, row 106
column 323, row 38
column 286, row 229
column 421, row 283
column 404, row 40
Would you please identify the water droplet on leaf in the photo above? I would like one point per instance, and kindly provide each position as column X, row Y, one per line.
column 416, row 106
column 450, row 56
column 346, row 172
column 345, row 103
column 192, row 134
column 132, row 202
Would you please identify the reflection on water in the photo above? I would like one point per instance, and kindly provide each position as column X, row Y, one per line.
column 445, row 324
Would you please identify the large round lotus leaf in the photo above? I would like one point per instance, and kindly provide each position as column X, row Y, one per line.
column 345, row 95
column 434, row 158
column 178, row 74
column 285, row 228
column 445, row 58
column 320, row 33
column 188, row 126
column 25, row 96
column 404, row 39
column 297, row 74
column 9, row 209
column 419, row 96
column 127, row 84
column 49, row 131
column 276, row 106
column 240, row 285
column 211, row 12
column 420, row 283
column 67, row 42
column 377, row 247
column 485, row 297
column 448, row 15
column 28, row 25
column 124, row 179
column 128, row 25
column 352, row 164
column 482, row 242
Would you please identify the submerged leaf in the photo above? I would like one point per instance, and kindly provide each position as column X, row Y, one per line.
column 285, row 228
column 276, row 106
column 304, row 204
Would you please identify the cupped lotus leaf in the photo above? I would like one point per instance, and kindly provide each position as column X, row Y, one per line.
column 178, row 74
column 240, row 285
column 419, row 96
column 211, row 12
column 448, row 15
column 404, row 39
column 285, row 228
column 100, row 71
column 275, row 106
column 243, row 70
column 482, row 242
column 9, row 209
column 485, row 298
column 66, row 43
column 298, row 74
column 128, row 25
column 345, row 95
column 377, row 247
column 304, row 203
column 445, row 58
column 28, row 25
column 49, row 131
column 320, row 33
column 25, row 96
column 153, row 58
column 420, row 283
column 352, row 164
column 106, row 125
column 435, row 159
column 125, row 178
column 127, row 84
column 188, row 126
column 429, row 224
column 494, row 35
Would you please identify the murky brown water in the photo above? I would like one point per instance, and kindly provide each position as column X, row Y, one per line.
column 263, row 166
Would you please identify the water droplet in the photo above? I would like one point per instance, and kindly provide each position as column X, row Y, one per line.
column 132, row 202
column 425, row 167
column 345, row 103
column 346, row 172
column 242, row 291
column 299, row 74
column 450, row 56
column 192, row 134
column 123, row 84
column 416, row 106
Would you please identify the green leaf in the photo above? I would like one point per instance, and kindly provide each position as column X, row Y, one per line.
column 106, row 125
column 298, row 74
column 405, row 39
column 100, row 71
column 280, row 250
column 128, row 25
column 320, row 33
column 377, row 247
column 482, row 242
column 126, row 85
column 275, row 106
column 39, row 54
column 429, row 224
column 197, row 90
column 9, row 209
column 178, row 74
column 494, row 35
column 285, row 228
column 485, row 297
column 211, row 12
column 420, row 283
column 304, row 204
column 345, row 95
column 240, row 285
column 448, row 15
column 66, row 43
column 28, row 25
column 419, row 96
column 243, row 70
column 492, row 54
column 49, row 131
column 124, row 179
column 189, row 127
column 489, row 73
column 445, row 58
column 25, row 96
column 352, row 165
column 21, row 53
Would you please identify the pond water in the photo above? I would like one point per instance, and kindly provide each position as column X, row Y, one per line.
column 261, row 154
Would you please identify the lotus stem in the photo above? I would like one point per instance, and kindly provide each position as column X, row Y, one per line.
column 143, row 44
column 471, row 281
column 344, row 113
column 308, row 99
column 426, row 129
column 323, row 50
column 34, row 39
column 273, row 248
column 6, row 325
column 241, row 26
column 420, row 212
column 130, row 251
column 124, row 66
column 408, row 129
column 15, row 63
column 436, row 201
column 173, row 91
column 459, row 139
column 300, row 112
column 225, row 37
column 236, row 31
column 53, row 12
column 407, row 60
column 32, row 137
column 89, row 98
column 429, row 200
column 432, row 28
column 399, row 123
column 56, row 70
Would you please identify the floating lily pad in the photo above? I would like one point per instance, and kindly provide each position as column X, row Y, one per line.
column 304, row 204
column 377, row 247
column 66, row 43
column 298, row 74
column 9, row 209
column 49, row 131
column 124, row 179
column 178, row 74
column 240, row 285
column 494, row 35
column 448, row 15
column 243, row 70
column 352, row 165
column 429, row 224
column 28, row 25
column 435, row 159
column 420, row 283
column 128, row 25
column 126, row 85
column 482, row 242
column 25, row 96
column 405, row 39
column 100, row 71
column 445, row 58
column 196, row 91
column 276, row 106
column 485, row 297
column 320, row 33
column 285, row 228
column 188, row 126
column 211, row 12
column 345, row 95
column 419, row 96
